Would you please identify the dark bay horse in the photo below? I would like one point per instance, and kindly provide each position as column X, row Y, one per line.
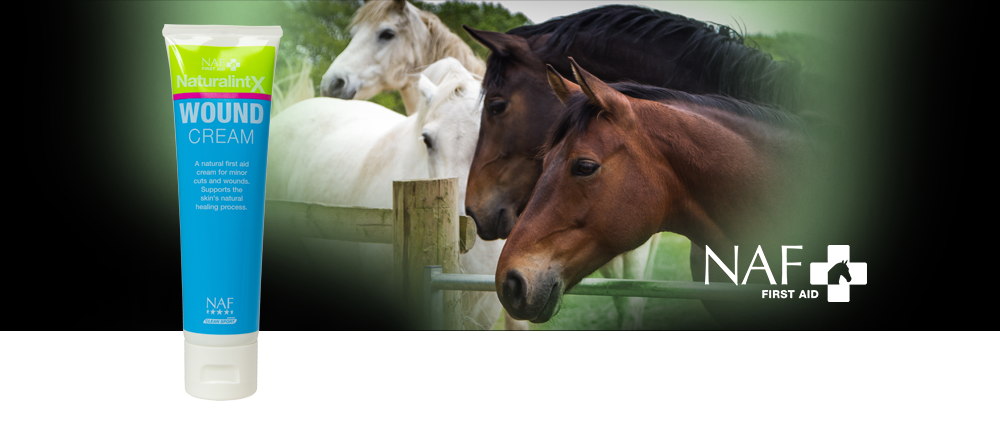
column 616, row 43
column 626, row 161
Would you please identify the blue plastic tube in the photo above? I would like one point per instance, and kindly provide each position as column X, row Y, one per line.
column 221, row 78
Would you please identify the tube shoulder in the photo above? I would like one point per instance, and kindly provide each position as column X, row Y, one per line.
column 206, row 340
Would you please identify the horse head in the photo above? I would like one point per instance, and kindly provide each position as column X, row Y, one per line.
column 386, row 38
column 449, row 119
column 518, row 106
column 390, row 42
column 624, row 162
column 597, row 197
column 838, row 270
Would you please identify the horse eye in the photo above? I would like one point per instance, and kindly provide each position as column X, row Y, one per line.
column 584, row 168
column 427, row 140
column 496, row 107
column 386, row 35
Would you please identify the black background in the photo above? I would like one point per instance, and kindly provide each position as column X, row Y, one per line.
column 96, row 248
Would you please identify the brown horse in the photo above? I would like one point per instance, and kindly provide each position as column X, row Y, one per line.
column 617, row 43
column 619, row 168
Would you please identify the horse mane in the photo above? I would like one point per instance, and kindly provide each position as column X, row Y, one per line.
column 641, row 23
column 717, row 51
column 579, row 110
column 447, row 44
column 442, row 43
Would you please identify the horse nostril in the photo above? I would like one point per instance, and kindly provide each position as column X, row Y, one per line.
column 333, row 88
column 514, row 288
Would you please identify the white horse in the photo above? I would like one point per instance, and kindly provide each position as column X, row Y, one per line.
column 391, row 41
column 348, row 152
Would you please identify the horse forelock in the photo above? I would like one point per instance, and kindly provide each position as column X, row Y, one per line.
column 518, row 67
column 409, row 19
column 493, row 78
column 572, row 120
column 373, row 12
column 454, row 84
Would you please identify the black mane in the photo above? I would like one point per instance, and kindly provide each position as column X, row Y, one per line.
column 579, row 110
column 638, row 22
column 716, row 51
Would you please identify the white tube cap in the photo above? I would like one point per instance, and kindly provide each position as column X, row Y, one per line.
column 220, row 373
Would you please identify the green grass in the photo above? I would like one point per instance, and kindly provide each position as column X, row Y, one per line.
column 584, row 312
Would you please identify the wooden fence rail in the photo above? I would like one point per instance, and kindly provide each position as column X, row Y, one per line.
column 423, row 226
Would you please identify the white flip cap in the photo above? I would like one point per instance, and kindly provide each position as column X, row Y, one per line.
column 220, row 373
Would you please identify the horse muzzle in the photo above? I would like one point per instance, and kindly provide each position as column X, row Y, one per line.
column 498, row 193
column 493, row 224
column 337, row 86
column 533, row 300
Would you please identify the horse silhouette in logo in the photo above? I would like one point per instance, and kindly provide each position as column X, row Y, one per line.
column 838, row 270
column 837, row 291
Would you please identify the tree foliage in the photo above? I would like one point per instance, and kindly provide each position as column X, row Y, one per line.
column 809, row 51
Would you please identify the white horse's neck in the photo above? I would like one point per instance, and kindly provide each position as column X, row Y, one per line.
column 411, row 96
column 396, row 155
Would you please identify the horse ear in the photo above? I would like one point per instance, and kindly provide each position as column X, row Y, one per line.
column 599, row 93
column 562, row 86
column 426, row 88
column 498, row 42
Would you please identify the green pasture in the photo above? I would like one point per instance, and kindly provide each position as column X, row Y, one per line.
column 584, row 312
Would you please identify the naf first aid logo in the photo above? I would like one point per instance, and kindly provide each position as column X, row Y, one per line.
column 838, row 273
column 215, row 64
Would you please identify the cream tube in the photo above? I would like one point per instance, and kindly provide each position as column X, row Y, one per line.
column 221, row 78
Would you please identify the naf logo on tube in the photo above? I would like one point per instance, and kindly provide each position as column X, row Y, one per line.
column 221, row 311
column 212, row 63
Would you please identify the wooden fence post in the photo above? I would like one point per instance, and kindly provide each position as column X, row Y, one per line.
column 426, row 232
